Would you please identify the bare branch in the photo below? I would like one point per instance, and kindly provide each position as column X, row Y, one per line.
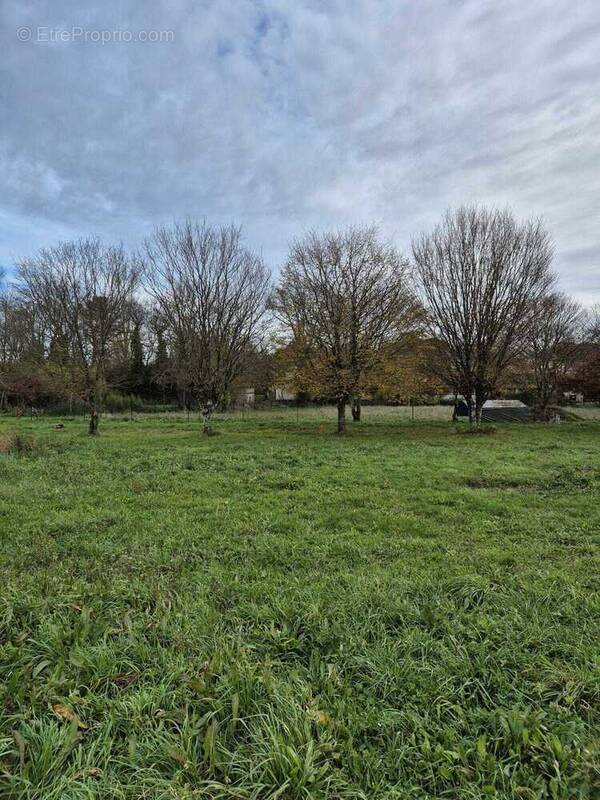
column 481, row 273
column 210, row 294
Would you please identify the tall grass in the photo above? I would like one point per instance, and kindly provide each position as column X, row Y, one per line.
column 277, row 612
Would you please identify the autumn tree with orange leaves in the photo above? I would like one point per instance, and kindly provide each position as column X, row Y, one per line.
column 344, row 303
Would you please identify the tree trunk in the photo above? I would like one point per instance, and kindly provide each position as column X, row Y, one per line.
column 207, row 410
column 341, row 415
column 544, row 399
column 356, row 409
column 479, row 401
column 93, row 427
column 92, row 398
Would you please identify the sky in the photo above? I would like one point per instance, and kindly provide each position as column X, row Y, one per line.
column 291, row 115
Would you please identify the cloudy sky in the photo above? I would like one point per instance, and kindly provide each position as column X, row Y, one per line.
column 294, row 114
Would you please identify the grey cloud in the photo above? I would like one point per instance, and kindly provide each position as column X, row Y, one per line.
column 285, row 116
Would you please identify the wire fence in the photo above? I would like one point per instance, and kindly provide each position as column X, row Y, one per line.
column 284, row 409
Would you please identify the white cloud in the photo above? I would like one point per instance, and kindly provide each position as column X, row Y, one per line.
column 289, row 115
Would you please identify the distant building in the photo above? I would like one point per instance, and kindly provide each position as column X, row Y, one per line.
column 246, row 396
column 574, row 398
column 284, row 394
column 449, row 399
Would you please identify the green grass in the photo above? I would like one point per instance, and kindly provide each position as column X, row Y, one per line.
column 277, row 612
column 585, row 412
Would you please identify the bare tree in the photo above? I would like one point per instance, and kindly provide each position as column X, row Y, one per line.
column 592, row 325
column 82, row 290
column 21, row 331
column 345, row 302
column 210, row 294
column 161, row 362
column 552, row 342
column 130, row 349
column 481, row 272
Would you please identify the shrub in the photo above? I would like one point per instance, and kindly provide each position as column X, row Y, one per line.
column 116, row 402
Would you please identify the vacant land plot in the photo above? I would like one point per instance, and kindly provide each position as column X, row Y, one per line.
column 276, row 612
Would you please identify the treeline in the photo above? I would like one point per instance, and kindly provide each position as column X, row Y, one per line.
column 195, row 316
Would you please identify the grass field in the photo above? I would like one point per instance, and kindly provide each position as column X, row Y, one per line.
column 277, row 612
